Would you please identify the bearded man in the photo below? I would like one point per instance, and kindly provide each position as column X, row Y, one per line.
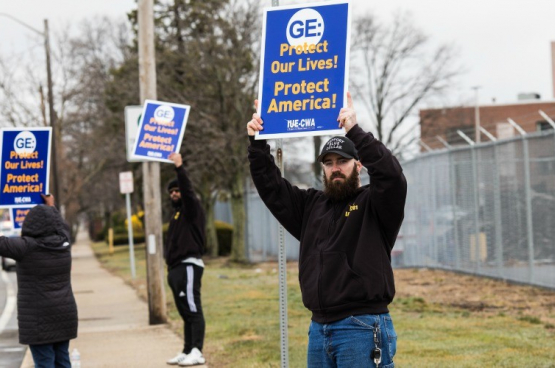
column 183, row 250
column 346, row 234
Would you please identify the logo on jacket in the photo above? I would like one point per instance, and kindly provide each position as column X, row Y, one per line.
column 352, row 207
column 176, row 215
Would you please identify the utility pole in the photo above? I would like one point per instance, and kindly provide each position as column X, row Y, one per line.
column 52, row 113
column 151, row 173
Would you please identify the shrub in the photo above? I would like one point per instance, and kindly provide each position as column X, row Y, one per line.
column 123, row 239
column 136, row 223
column 224, row 232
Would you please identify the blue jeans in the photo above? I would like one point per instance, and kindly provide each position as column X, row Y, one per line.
column 51, row 355
column 350, row 341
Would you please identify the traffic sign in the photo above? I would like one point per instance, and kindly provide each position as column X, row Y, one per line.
column 126, row 182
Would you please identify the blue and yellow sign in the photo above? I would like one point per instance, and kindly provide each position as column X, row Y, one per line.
column 18, row 216
column 25, row 167
column 304, row 69
column 161, row 130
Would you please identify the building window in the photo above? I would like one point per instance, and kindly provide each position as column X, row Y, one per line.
column 543, row 125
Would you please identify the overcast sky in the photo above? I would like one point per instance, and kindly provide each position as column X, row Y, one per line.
column 503, row 44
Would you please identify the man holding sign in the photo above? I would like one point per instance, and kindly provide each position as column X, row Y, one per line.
column 346, row 234
column 183, row 249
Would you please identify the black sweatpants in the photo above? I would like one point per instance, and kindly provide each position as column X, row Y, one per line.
column 185, row 282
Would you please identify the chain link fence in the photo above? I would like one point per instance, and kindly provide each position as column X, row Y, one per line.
column 487, row 209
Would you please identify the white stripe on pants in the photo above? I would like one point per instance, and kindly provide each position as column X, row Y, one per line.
column 190, row 296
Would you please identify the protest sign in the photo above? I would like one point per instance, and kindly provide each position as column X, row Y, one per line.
column 18, row 216
column 304, row 69
column 132, row 121
column 25, row 169
column 160, row 130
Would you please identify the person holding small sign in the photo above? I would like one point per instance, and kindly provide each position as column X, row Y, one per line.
column 183, row 249
column 346, row 234
column 46, row 308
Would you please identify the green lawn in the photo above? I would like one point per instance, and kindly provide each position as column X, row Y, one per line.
column 242, row 318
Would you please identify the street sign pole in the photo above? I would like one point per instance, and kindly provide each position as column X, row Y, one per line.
column 126, row 187
column 130, row 235
column 282, row 267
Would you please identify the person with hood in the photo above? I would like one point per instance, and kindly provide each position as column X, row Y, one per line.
column 183, row 249
column 46, row 308
column 346, row 234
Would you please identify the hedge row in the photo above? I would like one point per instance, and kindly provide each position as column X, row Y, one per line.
column 224, row 232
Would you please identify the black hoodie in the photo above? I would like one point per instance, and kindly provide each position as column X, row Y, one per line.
column 46, row 308
column 345, row 247
column 186, row 235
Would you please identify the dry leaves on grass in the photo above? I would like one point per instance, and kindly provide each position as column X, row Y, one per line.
column 476, row 294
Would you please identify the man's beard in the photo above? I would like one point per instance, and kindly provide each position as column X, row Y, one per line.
column 339, row 191
column 177, row 203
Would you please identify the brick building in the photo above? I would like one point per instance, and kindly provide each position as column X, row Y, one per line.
column 445, row 122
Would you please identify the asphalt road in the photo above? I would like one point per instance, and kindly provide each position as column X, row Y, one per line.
column 11, row 352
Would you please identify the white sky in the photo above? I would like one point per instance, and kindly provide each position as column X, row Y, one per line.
column 503, row 44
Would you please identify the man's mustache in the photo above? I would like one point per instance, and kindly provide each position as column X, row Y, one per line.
column 337, row 175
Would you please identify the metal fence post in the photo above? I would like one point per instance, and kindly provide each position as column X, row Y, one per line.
column 476, row 201
column 247, row 213
column 452, row 173
column 433, row 212
column 497, row 212
column 528, row 195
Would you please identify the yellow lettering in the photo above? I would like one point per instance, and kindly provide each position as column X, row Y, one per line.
column 305, row 48
column 311, row 103
column 278, row 86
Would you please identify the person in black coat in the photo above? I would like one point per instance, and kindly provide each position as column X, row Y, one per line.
column 47, row 312
column 346, row 233
column 183, row 249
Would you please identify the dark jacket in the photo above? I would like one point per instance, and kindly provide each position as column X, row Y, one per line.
column 345, row 247
column 186, row 233
column 46, row 308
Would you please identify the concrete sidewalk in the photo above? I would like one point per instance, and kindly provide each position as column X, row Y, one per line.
column 113, row 321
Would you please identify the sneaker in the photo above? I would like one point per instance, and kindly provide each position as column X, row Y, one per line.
column 177, row 359
column 193, row 358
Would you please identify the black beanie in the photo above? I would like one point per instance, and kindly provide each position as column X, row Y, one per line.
column 173, row 184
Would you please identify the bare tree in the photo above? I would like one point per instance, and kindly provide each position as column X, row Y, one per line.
column 90, row 141
column 21, row 93
column 208, row 60
column 93, row 146
column 396, row 69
